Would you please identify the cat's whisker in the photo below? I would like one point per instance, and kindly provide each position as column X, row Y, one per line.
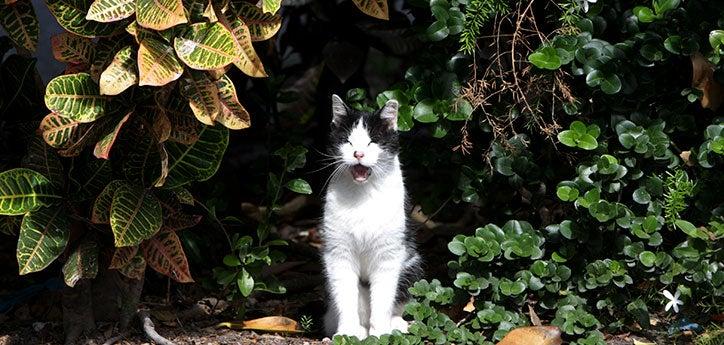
column 339, row 161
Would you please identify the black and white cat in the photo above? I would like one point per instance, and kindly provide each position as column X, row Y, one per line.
column 369, row 251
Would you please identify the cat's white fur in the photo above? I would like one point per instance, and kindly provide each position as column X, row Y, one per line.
column 364, row 234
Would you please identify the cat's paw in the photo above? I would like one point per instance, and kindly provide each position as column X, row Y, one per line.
column 352, row 330
column 399, row 324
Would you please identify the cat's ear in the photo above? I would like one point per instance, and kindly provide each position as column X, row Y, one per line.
column 389, row 113
column 339, row 109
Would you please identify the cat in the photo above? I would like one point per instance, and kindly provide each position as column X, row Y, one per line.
column 369, row 253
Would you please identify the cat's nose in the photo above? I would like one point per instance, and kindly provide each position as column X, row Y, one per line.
column 359, row 154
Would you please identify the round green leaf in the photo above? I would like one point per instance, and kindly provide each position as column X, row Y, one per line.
column 299, row 186
column 545, row 58
column 647, row 258
column 644, row 14
column 587, row 142
column 245, row 282
column 424, row 111
column 641, row 196
column 437, row 31
column 568, row 138
column 566, row 193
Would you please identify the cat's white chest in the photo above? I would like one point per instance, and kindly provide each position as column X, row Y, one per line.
column 366, row 213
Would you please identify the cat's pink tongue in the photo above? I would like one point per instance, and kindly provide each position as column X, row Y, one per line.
column 360, row 172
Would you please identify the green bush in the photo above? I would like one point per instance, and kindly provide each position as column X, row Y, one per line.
column 627, row 207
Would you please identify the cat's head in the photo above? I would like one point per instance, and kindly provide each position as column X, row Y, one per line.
column 363, row 144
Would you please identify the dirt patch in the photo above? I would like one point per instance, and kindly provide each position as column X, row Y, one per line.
column 188, row 334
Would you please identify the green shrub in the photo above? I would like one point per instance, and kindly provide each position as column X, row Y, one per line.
column 629, row 202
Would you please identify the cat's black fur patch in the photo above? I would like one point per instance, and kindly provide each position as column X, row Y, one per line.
column 379, row 129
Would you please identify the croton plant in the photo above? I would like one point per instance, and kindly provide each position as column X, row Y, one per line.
column 142, row 110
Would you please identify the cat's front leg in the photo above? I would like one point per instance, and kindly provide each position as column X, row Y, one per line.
column 343, row 283
column 383, row 291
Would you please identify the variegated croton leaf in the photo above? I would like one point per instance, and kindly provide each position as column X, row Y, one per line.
column 43, row 236
column 206, row 46
column 135, row 215
column 157, row 63
column 19, row 21
column 82, row 263
column 75, row 96
column 24, row 190
column 71, row 48
column 165, row 254
column 262, row 26
column 106, row 11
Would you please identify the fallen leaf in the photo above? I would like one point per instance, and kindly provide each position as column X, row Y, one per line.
column 536, row 335
column 470, row 307
column 686, row 157
column 268, row 324
column 642, row 342
column 702, row 78
column 534, row 319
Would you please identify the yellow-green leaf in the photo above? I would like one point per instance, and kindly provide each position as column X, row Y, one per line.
column 121, row 73
column 206, row 46
column 75, row 96
column 262, row 26
column 106, row 11
column 82, row 263
column 374, row 8
column 101, row 211
column 203, row 96
column 233, row 115
column 103, row 147
column 157, row 63
column 271, row 6
column 21, row 24
column 247, row 60
column 198, row 161
column 24, row 190
column 58, row 130
column 104, row 52
column 135, row 215
column 159, row 14
column 43, row 236
column 71, row 48
column 70, row 14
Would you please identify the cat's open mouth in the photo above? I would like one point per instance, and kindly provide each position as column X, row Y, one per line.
column 360, row 173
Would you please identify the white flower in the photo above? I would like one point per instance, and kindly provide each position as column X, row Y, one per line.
column 584, row 4
column 674, row 300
